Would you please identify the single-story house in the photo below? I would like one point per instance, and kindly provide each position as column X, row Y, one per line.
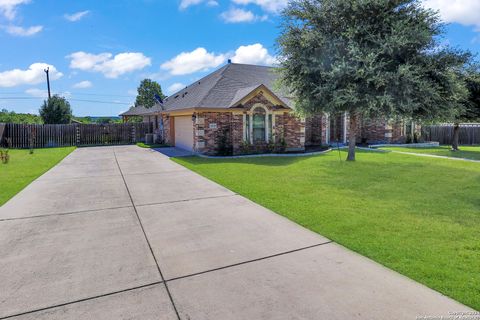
column 238, row 109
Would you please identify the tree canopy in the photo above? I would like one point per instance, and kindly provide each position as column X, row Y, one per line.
column 56, row 110
column 370, row 58
column 147, row 92
column 469, row 108
column 13, row 117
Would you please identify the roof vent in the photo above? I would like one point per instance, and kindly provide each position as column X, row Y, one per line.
column 229, row 61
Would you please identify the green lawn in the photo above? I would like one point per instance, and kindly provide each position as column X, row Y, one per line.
column 466, row 152
column 151, row 146
column 24, row 167
column 418, row 216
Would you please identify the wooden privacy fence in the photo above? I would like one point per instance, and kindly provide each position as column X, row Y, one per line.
column 469, row 133
column 63, row 135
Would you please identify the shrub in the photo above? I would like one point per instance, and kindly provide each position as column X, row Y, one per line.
column 56, row 110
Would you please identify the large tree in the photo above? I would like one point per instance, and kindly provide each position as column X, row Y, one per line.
column 56, row 110
column 370, row 58
column 469, row 109
column 148, row 93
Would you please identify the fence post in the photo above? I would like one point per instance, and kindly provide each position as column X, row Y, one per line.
column 77, row 135
column 134, row 134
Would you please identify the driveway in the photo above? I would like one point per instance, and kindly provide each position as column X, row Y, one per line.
column 125, row 233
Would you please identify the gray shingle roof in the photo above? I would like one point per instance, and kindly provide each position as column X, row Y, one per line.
column 140, row 111
column 223, row 88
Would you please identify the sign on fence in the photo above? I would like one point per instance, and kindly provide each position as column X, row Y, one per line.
column 63, row 135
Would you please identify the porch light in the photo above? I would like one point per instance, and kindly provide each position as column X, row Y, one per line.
column 194, row 117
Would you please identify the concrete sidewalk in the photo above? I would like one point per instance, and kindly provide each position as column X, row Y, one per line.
column 125, row 233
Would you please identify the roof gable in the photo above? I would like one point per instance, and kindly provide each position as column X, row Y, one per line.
column 245, row 94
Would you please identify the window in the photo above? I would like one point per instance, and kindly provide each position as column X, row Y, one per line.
column 247, row 128
column 270, row 127
column 259, row 125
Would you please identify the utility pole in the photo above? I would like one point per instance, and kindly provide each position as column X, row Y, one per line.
column 48, row 82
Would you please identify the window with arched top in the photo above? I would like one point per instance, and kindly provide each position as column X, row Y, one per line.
column 258, row 124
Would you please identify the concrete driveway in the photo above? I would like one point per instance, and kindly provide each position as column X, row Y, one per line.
column 125, row 233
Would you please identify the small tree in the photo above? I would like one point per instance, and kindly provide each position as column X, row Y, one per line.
column 56, row 110
column 147, row 93
column 370, row 58
column 469, row 110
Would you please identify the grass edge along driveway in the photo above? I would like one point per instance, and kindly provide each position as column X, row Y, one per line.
column 24, row 167
column 419, row 216
column 466, row 152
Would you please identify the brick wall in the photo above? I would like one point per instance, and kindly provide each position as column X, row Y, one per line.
column 369, row 131
column 316, row 130
column 382, row 131
column 220, row 133
column 166, row 129
column 213, row 132
column 291, row 129
column 375, row 131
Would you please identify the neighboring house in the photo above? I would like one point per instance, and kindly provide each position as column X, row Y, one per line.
column 238, row 109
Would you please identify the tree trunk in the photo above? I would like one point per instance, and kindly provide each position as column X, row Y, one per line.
column 352, row 136
column 456, row 136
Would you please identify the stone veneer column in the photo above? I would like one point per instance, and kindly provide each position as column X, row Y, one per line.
column 199, row 134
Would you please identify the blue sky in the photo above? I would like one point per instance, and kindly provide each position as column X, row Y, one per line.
column 98, row 51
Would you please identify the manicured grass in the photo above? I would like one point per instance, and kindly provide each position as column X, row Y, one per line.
column 419, row 216
column 466, row 152
column 24, row 167
column 151, row 146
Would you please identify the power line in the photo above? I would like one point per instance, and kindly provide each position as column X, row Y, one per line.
column 77, row 94
column 78, row 100
column 96, row 101
column 101, row 95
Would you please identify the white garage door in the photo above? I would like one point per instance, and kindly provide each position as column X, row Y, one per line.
column 184, row 133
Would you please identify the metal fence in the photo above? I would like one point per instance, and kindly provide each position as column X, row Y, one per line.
column 469, row 133
column 63, row 135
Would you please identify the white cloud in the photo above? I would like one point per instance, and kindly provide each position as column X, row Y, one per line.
column 111, row 66
column 87, row 61
column 37, row 93
column 274, row 6
column 191, row 62
column 77, row 16
column 23, row 32
column 175, row 87
column 43, row 94
column 33, row 75
column 465, row 12
column 184, row 4
column 236, row 15
column 8, row 8
column 82, row 85
column 253, row 54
